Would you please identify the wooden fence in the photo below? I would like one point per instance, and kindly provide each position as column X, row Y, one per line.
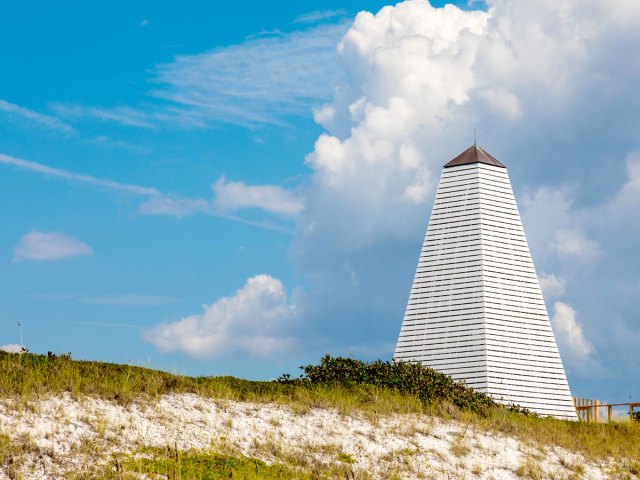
column 589, row 410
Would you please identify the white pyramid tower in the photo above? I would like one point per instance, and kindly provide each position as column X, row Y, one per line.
column 476, row 311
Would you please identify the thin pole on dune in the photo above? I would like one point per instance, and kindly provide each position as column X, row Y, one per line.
column 20, row 327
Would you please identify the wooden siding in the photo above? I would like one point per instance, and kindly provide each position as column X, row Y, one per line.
column 475, row 310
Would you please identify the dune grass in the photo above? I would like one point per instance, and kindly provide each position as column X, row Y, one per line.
column 619, row 441
column 173, row 464
column 28, row 377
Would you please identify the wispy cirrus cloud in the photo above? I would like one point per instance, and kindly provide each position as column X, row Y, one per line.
column 261, row 80
column 133, row 326
column 36, row 118
column 78, row 177
column 270, row 199
column 41, row 120
column 129, row 299
column 264, row 80
column 319, row 16
column 123, row 299
column 122, row 115
column 107, row 142
column 41, row 246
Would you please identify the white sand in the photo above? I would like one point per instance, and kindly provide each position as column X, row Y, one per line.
column 69, row 435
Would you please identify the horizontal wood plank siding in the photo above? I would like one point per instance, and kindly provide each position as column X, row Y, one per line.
column 475, row 310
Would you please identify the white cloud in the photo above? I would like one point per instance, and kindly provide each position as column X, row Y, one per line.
column 551, row 285
column 259, row 81
column 389, row 127
column 253, row 321
column 502, row 102
column 417, row 80
column 107, row 142
column 573, row 345
column 36, row 118
column 572, row 243
column 123, row 115
column 130, row 299
column 625, row 204
column 41, row 246
column 550, row 88
column 173, row 207
column 77, row 177
column 544, row 211
column 233, row 196
column 262, row 80
column 319, row 15
column 158, row 203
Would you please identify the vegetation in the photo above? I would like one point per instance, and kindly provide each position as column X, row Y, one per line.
column 411, row 379
column 29, row 375
column 173, row 464
column 618, row 440
column 347, row 385
column 343, row 383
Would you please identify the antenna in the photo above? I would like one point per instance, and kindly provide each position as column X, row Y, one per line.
column 20, row 327
column 474, row 136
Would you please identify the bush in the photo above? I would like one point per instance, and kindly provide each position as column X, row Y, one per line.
column 408, row 378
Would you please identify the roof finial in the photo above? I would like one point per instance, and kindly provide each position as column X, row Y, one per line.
column 474, row 136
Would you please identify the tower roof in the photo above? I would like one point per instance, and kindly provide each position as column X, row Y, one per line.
column 474, row 154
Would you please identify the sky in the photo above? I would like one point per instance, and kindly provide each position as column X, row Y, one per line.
column 241, row 190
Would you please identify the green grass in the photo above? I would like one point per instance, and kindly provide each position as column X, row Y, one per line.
column 172, row 464
column 597, row 441
column 28, row 377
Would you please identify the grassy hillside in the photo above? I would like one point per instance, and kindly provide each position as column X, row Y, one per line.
column 376, row 390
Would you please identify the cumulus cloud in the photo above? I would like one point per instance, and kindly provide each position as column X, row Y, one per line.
column 377, row 166
column 233, row 196
column 551, row 285
column 173, row 207
column 253, row 321
column 418, row 79
column 573, row 243
column 576, row 350
column 551, row 90
column 624, row 205
column 41, row 246
column 545, row 210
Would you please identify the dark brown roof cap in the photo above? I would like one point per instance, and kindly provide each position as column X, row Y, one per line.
column 474, row 154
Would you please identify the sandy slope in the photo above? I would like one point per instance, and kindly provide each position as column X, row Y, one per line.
column 69, row 435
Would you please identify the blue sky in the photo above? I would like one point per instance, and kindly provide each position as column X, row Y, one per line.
column 240, row 190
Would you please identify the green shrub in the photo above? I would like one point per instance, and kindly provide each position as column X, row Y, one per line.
column 407, row 378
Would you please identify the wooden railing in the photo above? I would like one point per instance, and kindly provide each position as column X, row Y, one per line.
column 589, row 410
